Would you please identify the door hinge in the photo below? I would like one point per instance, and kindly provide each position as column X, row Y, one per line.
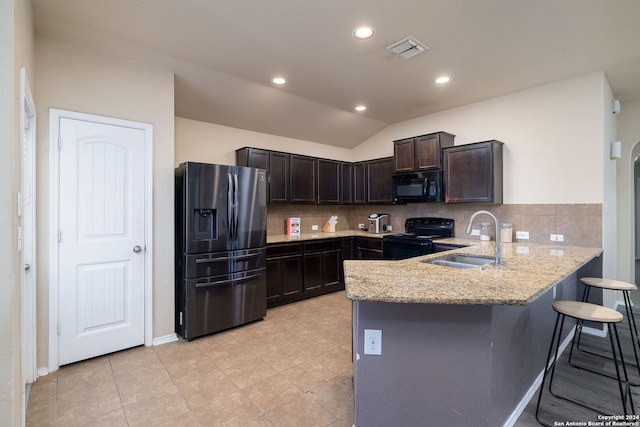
column 59, row 144
column 59, row 236
column 59, row 328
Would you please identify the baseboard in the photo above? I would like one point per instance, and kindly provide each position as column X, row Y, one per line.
column 511, row 421
column 165, row 339
column 41, row 372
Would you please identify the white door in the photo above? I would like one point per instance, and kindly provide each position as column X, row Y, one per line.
column 101, row 239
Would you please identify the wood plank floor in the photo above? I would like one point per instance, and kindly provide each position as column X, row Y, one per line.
column 594, row 390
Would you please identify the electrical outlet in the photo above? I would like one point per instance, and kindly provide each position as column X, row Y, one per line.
column 389, row 228
column 314, row 228
column 373, row 342
column 522, row 235
column 557, row 237
column 361, row 226
column 475, row 232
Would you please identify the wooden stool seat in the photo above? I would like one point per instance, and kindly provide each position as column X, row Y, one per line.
column 587, row 311
column 615, row 285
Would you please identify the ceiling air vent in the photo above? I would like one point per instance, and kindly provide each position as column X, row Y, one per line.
column 407, row 48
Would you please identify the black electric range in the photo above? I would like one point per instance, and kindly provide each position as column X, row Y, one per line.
column 418, row 237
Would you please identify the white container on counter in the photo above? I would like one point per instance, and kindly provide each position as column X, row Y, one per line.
column 485, row 231
column 506, row 232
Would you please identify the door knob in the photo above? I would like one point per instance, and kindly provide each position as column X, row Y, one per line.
column 27, row 267
column 137, row 249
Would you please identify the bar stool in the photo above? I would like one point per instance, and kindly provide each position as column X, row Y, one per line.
column 615, row 285
column 582, row 311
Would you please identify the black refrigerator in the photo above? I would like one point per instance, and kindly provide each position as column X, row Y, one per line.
column 221, row 236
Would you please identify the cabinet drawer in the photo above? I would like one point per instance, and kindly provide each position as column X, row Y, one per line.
column 280, row 249
column 324, row 245
column 369, row 243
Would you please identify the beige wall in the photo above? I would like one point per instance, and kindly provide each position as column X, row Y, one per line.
column 73, row 78
column 16, row 51
column 210, row 143
column 629, row 135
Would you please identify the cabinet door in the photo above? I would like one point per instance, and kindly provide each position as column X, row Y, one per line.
column 291, row 267
column 312, row 271
column 278, row 177
column 329, row 186
column 346, row 183
column 303, row 179
column 254, row 158
column 359, row 183
column 331, row 271
column 368, row 248
column 428, row 150
column 473, row 173
column 379, row 185
column 284, row 273
column 403, row 154
column 257, row 158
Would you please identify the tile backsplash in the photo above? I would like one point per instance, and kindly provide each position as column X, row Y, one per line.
column 580, row 224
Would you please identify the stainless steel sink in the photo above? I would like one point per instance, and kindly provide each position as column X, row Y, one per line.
column 462, row 261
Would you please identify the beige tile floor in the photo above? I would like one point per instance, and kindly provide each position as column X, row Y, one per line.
column 292, row 369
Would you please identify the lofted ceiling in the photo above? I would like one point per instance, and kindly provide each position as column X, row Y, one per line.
column 224, row 54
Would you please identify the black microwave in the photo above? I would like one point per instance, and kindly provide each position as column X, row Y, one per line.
column 418, row 187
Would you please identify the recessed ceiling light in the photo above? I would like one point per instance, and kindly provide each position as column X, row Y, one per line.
column 360, row 108
column 443, row 80
column 363, row 33
column 279, row 80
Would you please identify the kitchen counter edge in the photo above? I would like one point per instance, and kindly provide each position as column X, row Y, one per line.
column 529, row 270
column 283, row 238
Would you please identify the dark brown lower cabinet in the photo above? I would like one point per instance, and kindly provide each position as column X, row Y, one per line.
column 368, row 248
column 284, row 273
column 301, row 270
column 322, row 266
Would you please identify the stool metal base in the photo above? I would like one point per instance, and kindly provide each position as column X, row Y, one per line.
column 550, row 365
column 633, row 330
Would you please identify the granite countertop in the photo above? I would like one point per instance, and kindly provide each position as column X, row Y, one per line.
column 528, row 271
column 283, row 238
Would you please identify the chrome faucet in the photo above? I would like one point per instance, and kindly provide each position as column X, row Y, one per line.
column 498, row 252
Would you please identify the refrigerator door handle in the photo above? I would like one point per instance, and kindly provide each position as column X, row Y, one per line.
column 225, row 258
column 230, row 281
column 235, row 206
column 230, row 208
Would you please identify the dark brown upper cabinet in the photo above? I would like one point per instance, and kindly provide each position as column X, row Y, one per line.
column 359, row 183
column 473, row 173
column 346, row 183
column 295, row 178
column 329, row 184
column 279, row 171
column 378, row 179
column 420, row 153
column 304, row 178
column 277, row 167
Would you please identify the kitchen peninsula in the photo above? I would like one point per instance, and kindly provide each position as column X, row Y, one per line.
column 459, row 347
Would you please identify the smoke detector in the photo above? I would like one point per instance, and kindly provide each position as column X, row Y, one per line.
column 407, row 48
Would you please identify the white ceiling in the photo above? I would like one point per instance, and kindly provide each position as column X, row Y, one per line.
column 224, row 54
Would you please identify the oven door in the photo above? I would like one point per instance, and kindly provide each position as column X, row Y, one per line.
column 396, row 247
